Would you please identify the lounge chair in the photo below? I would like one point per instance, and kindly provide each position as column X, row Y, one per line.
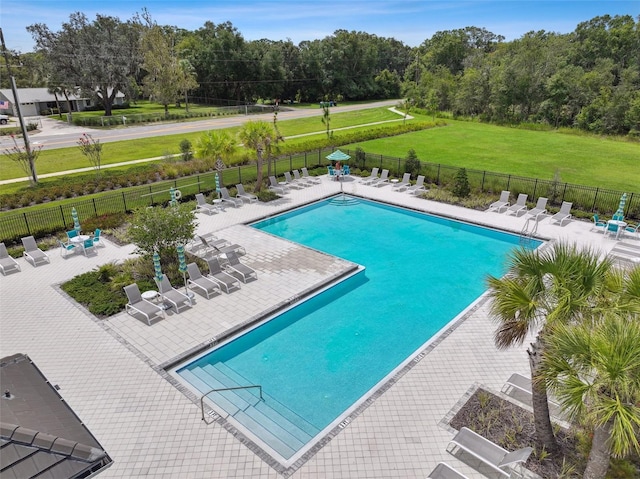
column 220, row 246
column 243, row 195
column 540, row 208
column 404, row 183
column 383, row 180
column 200, row 283
column 226, row 198
column 277, row 187
column 598, row 224
column 140, row 305
column 301, row 180
column 445, row 471
column 519, row 205
column 203, row 206
column 291, row 183
column 7, row 263
column 171, row 295
column 371, row 178
column 498, row 459
column 503, row 202
column 32, row 253
column 235, row 266
column 227, row 282
column 418, row 187
column 519, row 386
column 564, row 214
column 308, row 177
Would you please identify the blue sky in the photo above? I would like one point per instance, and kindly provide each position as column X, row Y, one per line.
column 410, row 21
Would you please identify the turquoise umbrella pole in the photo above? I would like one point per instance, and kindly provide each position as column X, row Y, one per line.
column 218, row 185
column 76, row 221
column 157, row 267
column 183, row 267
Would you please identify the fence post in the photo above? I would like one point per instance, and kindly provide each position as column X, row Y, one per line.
column 62, row 215
column 535, row 187
column 199, row 188
column 564, row 191
column 26, row 223
column 438, row 175
column 484, row 173
column 508, row 181
column 239, row 174
column 124, row 202
column 151, row 195
column 595, row 199
column 95, row 210
column 290, row 163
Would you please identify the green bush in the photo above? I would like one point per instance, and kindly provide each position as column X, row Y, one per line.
column 412, row 163
column 461, row 186
column 93, row 291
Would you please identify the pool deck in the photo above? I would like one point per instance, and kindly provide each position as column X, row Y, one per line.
column 110, row 372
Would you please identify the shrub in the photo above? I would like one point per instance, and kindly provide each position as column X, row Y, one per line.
column 93, row 291
column 412, row 163
column 461, row 186
column 185, row 150
column 267, row 195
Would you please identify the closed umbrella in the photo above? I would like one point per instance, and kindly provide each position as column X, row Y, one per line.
column 76, row 221
column 157, row 267
column 218, row 185
column 183, row 267
column 172, row 192
column 620, row 211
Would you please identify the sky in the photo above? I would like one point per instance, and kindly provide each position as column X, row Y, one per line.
column 410, row 21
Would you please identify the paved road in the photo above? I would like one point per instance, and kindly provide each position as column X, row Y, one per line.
column 60, row 135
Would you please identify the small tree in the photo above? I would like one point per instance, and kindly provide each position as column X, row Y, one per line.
column 360, row 158
column 185, row 150
column 162, row 229
column 461, row 186
column 92, row 149
column 26, row 159
column 412, row 163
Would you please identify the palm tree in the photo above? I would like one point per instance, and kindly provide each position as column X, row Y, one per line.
column 215, row 145
column 594, row 370
column 559, row 284
column 258, row 136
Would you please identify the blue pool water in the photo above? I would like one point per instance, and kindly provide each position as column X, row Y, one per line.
column 317, row 359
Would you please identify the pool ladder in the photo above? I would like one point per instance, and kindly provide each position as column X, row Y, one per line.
column 530, row 228
column 225, row 389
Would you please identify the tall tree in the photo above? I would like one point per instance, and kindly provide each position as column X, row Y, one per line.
column 594, row 370
column 559, row 285
column 259, row 137
column 100, row 57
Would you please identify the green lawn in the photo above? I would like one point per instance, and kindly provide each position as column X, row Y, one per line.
column 584, row 160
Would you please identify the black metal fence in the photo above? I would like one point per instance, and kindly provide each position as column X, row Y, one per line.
column 42, row 221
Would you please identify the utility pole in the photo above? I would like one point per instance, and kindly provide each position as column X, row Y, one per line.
column 23, row 127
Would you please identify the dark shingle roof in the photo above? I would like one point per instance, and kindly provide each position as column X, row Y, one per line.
column 40, row 435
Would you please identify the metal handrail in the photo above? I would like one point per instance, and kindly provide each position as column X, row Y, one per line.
column 226, row 389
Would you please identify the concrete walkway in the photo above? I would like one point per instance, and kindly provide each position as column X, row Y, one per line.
column 109, row 371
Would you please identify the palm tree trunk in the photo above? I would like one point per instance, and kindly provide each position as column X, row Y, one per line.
column 259, row 172
column 598, row 462
column 541, row 417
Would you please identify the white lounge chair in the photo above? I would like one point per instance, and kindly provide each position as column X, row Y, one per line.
column 140, row 305
column 301, row 180
column 7, row 263
column 498, row 459
column 404, row 183
column 226, row 198
column 418, row 187
column 243, row 195
column 564, row 214
column 519, row 387
column 32, row 253
column 371, row 178
column 171, row 295
column 235, row 266
column 519, row 205
column 277, row 187
column 200, row 283
column 291, row 183
column 226, row 282
column 308, row 177
column 203, row 206
column 540, row 208
column 445, row 471
column 503, row 202
column 383, row 180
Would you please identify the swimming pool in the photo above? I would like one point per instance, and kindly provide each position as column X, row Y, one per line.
column 318, row 359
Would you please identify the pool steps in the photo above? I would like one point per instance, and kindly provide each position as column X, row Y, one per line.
column 269, row 420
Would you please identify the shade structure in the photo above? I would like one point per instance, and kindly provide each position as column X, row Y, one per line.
column 218, row 185
column 338, row 156
column 623, row 200
column 157, row 267
column 76, row 221
column 182, row 267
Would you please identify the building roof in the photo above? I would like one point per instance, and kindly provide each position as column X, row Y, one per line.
column 40, row 435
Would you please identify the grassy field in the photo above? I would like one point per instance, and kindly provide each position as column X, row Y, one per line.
column 584, row 160
column 62, row 159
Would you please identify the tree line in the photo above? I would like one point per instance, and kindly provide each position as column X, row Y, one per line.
column 588, row 79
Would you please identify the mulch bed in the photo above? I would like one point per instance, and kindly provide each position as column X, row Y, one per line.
column 512, row 427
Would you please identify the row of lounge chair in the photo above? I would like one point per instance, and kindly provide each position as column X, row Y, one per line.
column 297, row 181
column 403, row 185
column 225, row 198
column 226, row 272
column 538, row 212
